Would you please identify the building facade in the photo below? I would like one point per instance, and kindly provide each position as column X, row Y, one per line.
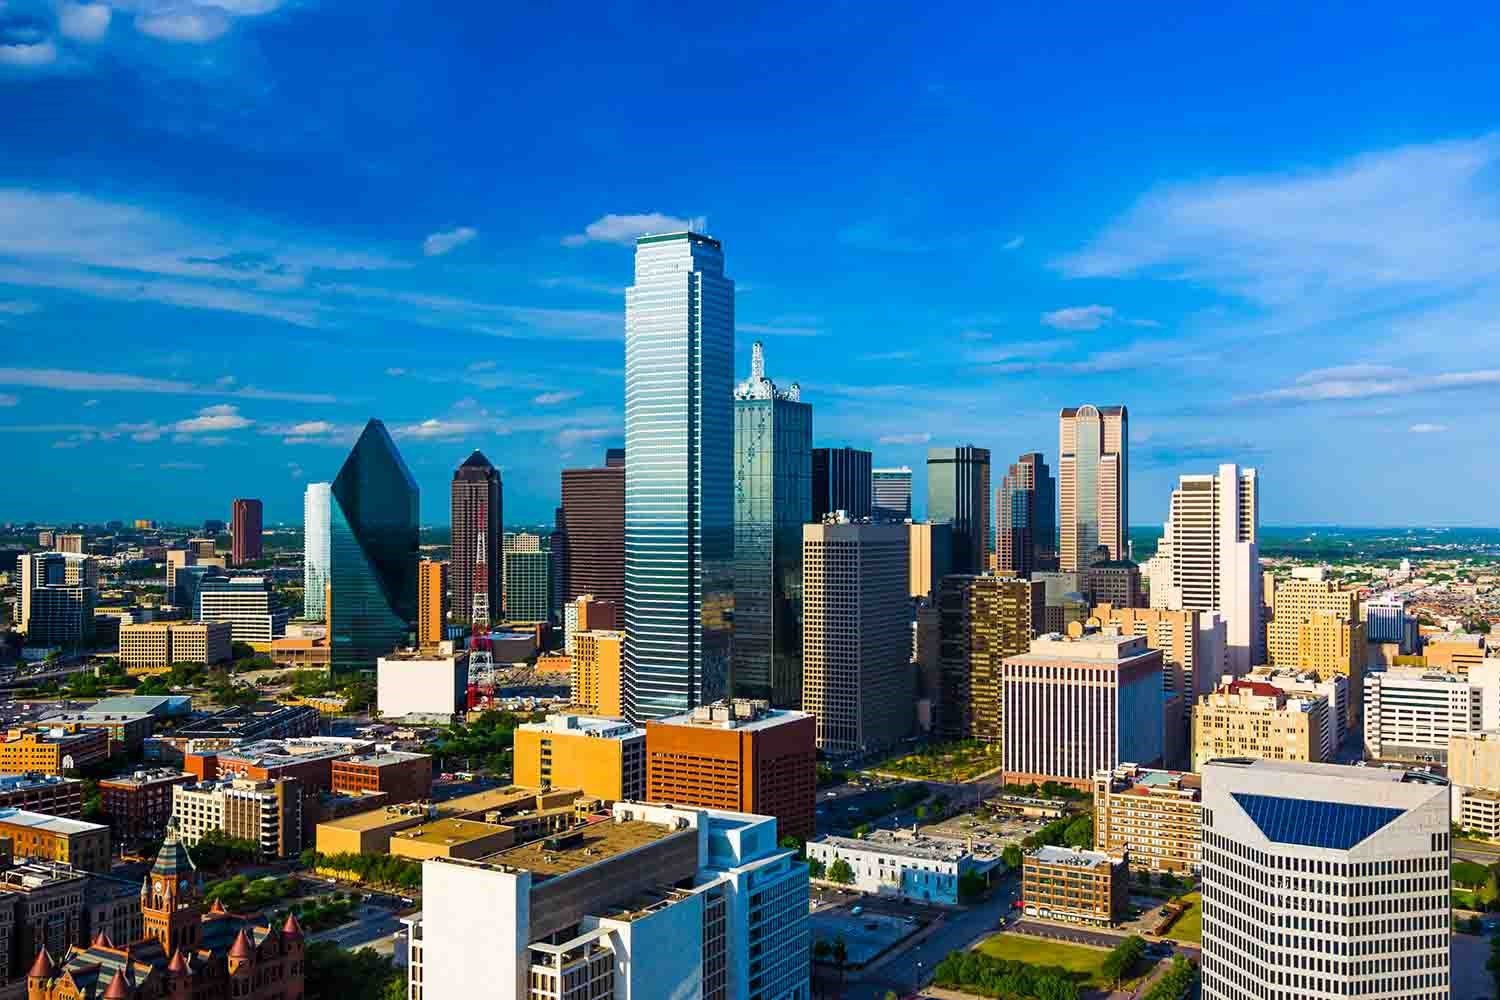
column 1093, row 484
column 373, row 541
column 593, row 525
column 246, row 603
column 422, row 682
column 930, row 548
column 40, row 837
column 842, row 480
column 981, row 620
column 890, row 494
column 679, row 478
column 269, row 813
column 432, row 602
column 773, row 499
column 958, row 493
column 245, row 516
column 316, row 550
column 154, row 646
column 139, row 805
column 528, row 579
column 1151, row 816
column 597, row 677
column 1074, row 886
column 899, row 863
column 1340, row 888
column 605, row 758
column 1026, row 517
column 1411, row 713
column 476, row 499
column 856, row 678
column 1246, row 718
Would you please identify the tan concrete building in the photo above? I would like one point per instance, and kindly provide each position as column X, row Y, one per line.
column 1252, row 719
column 596, row 672
column 1474, row 760
column 152, row 647
column 920, row 556
column 465, row 839
column 1151, row 815
column 1075, row 886
column 981, row 621
column 1093, row 448
column 1316, row 626
column 606, row 758
column 1192, row 644
column 1454, row 653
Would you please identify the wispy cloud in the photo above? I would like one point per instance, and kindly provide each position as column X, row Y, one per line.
column 888, row 356
column 1078, row 317
column 437, row 429
column 1014, row 243
column 72, row 380
column 83, row 22
column 1371, row 382
column 570, row 436
column 440, row 243
column 625, row 229
column 28, row 55
column 6, row 399
column 577, row 284
column 1196, row 451
column 799, row 326
column 221, row 417
column 1427, row 428
column 554, row 398
column 913, row 438
column 18, row 307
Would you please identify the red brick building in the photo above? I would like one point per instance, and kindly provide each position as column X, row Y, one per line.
column 742, row 756
column 188, row 952
column 404, row 777
column 43, row 793
column 138, row 805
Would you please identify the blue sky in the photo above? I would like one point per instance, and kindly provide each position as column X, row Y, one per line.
column 230, row 231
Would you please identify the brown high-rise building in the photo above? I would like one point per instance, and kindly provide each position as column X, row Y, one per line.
column 1092, row 484
column 1026, row 518
column 982, row 620
column 432, row 602
column 740, row 755
column 593, row 525
column 245, row 528
column 477, row 499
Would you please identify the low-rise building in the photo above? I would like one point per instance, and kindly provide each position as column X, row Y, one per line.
column 1453, row 652
column 1151, row 815
column 152, row 647
column 266, row 721
column 526, row 812
column 138, row 805
column 1310, row 684
column 266, row 812
column 403, row 777
column 1412, row 713
column 52, row 749
column 900, row 863
column 422, row 683
column 44, row 793
column 606, row 758
column 1252, row 719
column 42, row 905
column 41, row 837
column 127, row 731
column 1074, row 886
column 451, row 838
column 161, row 706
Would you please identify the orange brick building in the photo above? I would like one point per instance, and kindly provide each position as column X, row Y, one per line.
column 404, row 777
column 739, row 755
column 51, row 751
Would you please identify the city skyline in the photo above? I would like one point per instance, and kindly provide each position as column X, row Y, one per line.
column 1218, row 261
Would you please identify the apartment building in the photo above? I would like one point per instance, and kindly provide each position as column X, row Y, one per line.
column 266, row 812
column 605, row 758
column 44, row 793
column 51, row 749
column 139, row 805
column 403, row 777
column 1149, row 814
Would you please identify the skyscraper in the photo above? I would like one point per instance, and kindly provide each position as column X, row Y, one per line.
column 1026, row 517
column 982, row 620
column 593, row 527
column 958, row 492
column 679, row 477
column 772, row 501
column 476, row 499
column 1211, row 539
column 432, row 602
column 1321, row 880
column 856, row 639
column 315, row 550
column 1093, row 484
column 890, row 491
column 841, row 480
column 245, row 527
column 373, row 549
column 528, row 578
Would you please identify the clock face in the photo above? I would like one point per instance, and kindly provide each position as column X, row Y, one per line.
column 158, row 885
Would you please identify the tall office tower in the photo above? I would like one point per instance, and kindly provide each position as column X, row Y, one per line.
column 1192, row 643
column 1093, row 482
column 856, row 640
column 1078, row 705
column 772, row 501
column 1321, row 880
column 930, row 548
column 1211, row 537
column 557, row 567
column 679, row 476
column 245, row 531
column 476, row 499
column 177, row 559
column 528, row 579
column 593, row 524
column 57, row 595
column 1386, row 622
column 890, row 494
column 432, row 602
column 315, row 550
column 71, row 543
column 841, row 480
column 373, row 553
column 958, row 492
column 982, row 620
column 1026, row 517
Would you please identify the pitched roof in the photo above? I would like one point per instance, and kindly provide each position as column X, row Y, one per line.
column 173, row 858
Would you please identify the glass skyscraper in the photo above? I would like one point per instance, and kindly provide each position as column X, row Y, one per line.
column 373, row 553
column 679, row 481
column 315, row 544
column 958, row 492
column 772, row 501
column 890, row 491
column 841, row 481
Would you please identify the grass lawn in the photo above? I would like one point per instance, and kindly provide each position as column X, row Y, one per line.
column 945, row 762
column 1188, row 928
column 1038, row 951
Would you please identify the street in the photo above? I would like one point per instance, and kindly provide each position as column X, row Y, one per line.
column 372, row 926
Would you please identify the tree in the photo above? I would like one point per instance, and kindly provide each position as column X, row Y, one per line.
column 816, row 868
column 1122, row 958
column 971, row 886
column 840, row 872
column 1011, row 856
column 333, row 972
column 1080, row 832
column 791, row 843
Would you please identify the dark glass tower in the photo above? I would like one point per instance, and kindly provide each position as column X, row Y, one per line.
column 477, row 499
column 1026, row 517
column 373, row 553
column 772, row 501
column 841, row 480
column 958, row 492
column 593, row 526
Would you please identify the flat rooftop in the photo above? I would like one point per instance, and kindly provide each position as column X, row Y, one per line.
column 741, row 715
column 280, row 753
column 146, row 777
column 380, row 816
column 1292, row 770
column 917, row 848
column 448, row 831
column 1071, row 856
column 22, row 782
column 1105, row 646
column 584, row 725
column 384, row 759
column 47, row 824
column 645, row 903
column 585, row 846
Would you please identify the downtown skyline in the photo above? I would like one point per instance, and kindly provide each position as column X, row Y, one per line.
column 209, row 304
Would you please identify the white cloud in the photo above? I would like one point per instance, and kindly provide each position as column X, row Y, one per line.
column 28, row 56
column 395, row 372
column 193, row 24
column 439, row 429
column 294, row 469
column 440, row 243
column 1014, row 243
column 975, row 335
column 1357, row 371
column 589, row 285
column 1078, row 317
column 225, row 380
column 1427, row 428
column 90, row 402
column 553, row 398
column 18, row 307
column 624, row 229
column 775, row 329
column 71, row 380
column 221, row 417
column 6, row 399
column 1347, row 387
column 905, row 439
column 83, row 22
column 570, row 436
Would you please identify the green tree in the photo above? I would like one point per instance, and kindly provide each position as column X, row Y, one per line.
column 1012, row 856
column 815, row 868
column 1080, row 832
column 334, row 973
column 840, row 872
column 971, row 886
column 1122, row 958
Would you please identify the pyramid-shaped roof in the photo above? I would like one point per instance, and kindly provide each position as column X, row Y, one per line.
column 173, row 858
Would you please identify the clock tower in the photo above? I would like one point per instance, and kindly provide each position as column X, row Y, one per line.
column 172, row 898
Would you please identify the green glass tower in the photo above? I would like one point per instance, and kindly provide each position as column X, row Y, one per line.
column 772, row 501
column 373, row 553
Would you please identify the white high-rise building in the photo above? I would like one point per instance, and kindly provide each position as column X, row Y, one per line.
column 1210, row 540
column 657, row 902
column 316, row 541
column 1411, row 713
column 891, row 494
column 1324, row 881
column 679, row 482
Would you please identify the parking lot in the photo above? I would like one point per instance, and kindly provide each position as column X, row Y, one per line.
column 985, row 829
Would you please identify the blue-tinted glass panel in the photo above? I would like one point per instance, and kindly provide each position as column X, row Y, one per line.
column 1334, row 825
